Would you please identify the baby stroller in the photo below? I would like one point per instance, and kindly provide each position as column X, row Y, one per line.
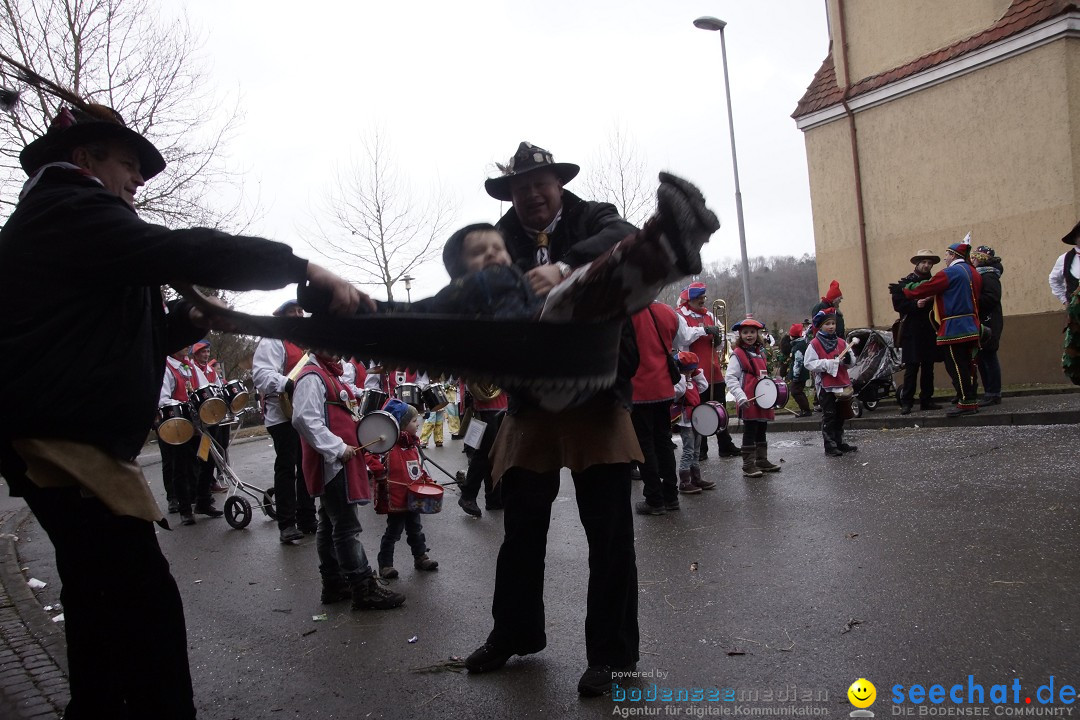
column 876, row 359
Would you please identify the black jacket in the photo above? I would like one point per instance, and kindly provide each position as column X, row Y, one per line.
column 990, row 312
column 918, row 337
column 585, row 231
column 84, row 332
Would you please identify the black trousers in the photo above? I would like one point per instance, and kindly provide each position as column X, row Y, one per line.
column 960, row 364
column 832, row 422
column 291, row 500
column 123, row 617
column 798, row 391
column 754, row 432
column 659, row 473
column 479, row 472
column 923, row 373
column 611, row 620
column 178, row 469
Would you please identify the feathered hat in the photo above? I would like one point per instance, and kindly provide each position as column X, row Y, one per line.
column 528, row 158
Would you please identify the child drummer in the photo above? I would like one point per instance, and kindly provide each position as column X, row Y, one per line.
column 394, row 473
column 746, row 368
column 827, row 359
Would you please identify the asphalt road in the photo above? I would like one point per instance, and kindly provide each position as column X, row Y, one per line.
column 928, row 556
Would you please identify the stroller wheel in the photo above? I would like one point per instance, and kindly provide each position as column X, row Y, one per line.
column 870, row 405
column 856, row 407
column 237, row 512
column 268, row 504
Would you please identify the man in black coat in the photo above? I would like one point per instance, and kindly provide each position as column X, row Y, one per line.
column 80, row 274
column 989, row 267
column 918, row 336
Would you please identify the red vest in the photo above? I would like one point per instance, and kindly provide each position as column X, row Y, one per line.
column 341, row 422
column 403, row 468
column 652, row 382
column 293, row 353
column 398, row 377
column 703, row 347
column 180, row 387
column 752, row 367
column 361, row 373
column 209, row 372
column 827, row 380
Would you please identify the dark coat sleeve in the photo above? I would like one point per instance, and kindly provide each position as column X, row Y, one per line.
column 601, row 226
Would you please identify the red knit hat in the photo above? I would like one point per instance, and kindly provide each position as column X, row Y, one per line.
column 833, row 294
column 796, row 330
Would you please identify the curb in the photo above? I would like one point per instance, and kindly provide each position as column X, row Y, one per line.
column 33, row 654
column 937, row 420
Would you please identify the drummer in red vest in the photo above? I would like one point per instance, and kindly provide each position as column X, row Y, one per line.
column 706, row 340
column 178, row 461
column 335, row 472
column 826, row 358
column 269, row 369
column 745, row 370
column 204, row 372
column 355, row 373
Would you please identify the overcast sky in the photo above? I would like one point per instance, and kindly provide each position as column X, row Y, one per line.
column 456, row 86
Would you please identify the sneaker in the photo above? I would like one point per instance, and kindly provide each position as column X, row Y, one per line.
column 186, row 518
column 992, row 400
column 470, row 507
column 289, row 534
column 371, row 594
column 597, row 679
column 833, row 452
column 644, row 508
column 423, row 562
column 208, row 510
column 174, row 507
column 689, row 488
column 438, row 444
column 671, row 505
column 388, row 572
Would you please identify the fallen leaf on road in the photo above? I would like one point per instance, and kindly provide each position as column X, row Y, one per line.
column 851, row 624
column 693, row 567
column 851, row 535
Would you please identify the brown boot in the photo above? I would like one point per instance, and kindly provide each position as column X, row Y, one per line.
column 695, row 477
column 685, row 484
column 749, row 462
column 763, row 458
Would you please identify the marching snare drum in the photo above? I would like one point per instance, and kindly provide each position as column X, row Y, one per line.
column 372, row 400
column 236, row 394
column 209, row 403
column 770, row 393
column 409, row 394
column 709, row 418
column 377, row 431
column 173, row 424
column 434, row 397
column 425, row 498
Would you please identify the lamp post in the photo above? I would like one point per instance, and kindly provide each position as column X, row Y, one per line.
column 711, row 23
column 408, row 286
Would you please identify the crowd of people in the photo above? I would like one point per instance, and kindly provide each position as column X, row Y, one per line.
column 553, row 257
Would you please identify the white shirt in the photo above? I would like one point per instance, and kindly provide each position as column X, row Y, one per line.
column 200, row 377
column 819, row 366
column 1057, row 276
column 269, row 381
column 309, row 419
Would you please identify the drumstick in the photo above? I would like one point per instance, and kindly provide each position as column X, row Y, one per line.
column 378, row 439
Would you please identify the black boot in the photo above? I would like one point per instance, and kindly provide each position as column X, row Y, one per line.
column 369, row 594
column 830, row 441
column 763, row 458
column 843, row 446
column 749, row 462
column 334, row 589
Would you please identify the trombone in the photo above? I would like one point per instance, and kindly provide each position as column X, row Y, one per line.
column 719, row 311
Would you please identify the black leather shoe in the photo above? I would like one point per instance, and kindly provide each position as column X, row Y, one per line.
column 597, row 679
column 487, row 658
column 208, row 510
column 186, row 518
column 986, row 401
column 644, row 508
column 960, row 412
column 174, row 507
column 930, row 406
column 906, row 410
column 290, row 534
column 833, row 452
column 671, row 505
column 844, row 447
column 470, row 507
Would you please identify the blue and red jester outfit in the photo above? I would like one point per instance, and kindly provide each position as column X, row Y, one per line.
column 394, row 472
column 746, row 368
column 956, row 290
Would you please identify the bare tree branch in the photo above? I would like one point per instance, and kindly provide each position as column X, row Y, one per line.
column 124, row 54
column 617, row 175
column 374, row 224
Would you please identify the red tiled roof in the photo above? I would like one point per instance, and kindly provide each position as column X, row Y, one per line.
column 1021, row 15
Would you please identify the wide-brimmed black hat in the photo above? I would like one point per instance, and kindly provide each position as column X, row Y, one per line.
column 73, row 127
column 1070, row 238
column 528, row 158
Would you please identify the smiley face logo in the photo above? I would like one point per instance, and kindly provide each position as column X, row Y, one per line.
column 862, row 693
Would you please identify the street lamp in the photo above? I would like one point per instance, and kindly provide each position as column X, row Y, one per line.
column 711, row 23
column 408, row 286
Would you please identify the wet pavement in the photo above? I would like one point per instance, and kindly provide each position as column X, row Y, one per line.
column 930, row 555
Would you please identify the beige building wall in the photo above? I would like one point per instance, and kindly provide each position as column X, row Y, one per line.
column 995, row 152
column 885, row 34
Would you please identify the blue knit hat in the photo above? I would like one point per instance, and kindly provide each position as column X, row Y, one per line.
column 402, row 412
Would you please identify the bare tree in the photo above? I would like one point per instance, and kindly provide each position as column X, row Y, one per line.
column 379, row 229
column 617, row 175
column 124, row 54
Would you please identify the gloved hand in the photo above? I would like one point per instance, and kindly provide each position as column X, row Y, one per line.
column 289, row 385
column 686, row 221
column 712, row 331
column 896, row 288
